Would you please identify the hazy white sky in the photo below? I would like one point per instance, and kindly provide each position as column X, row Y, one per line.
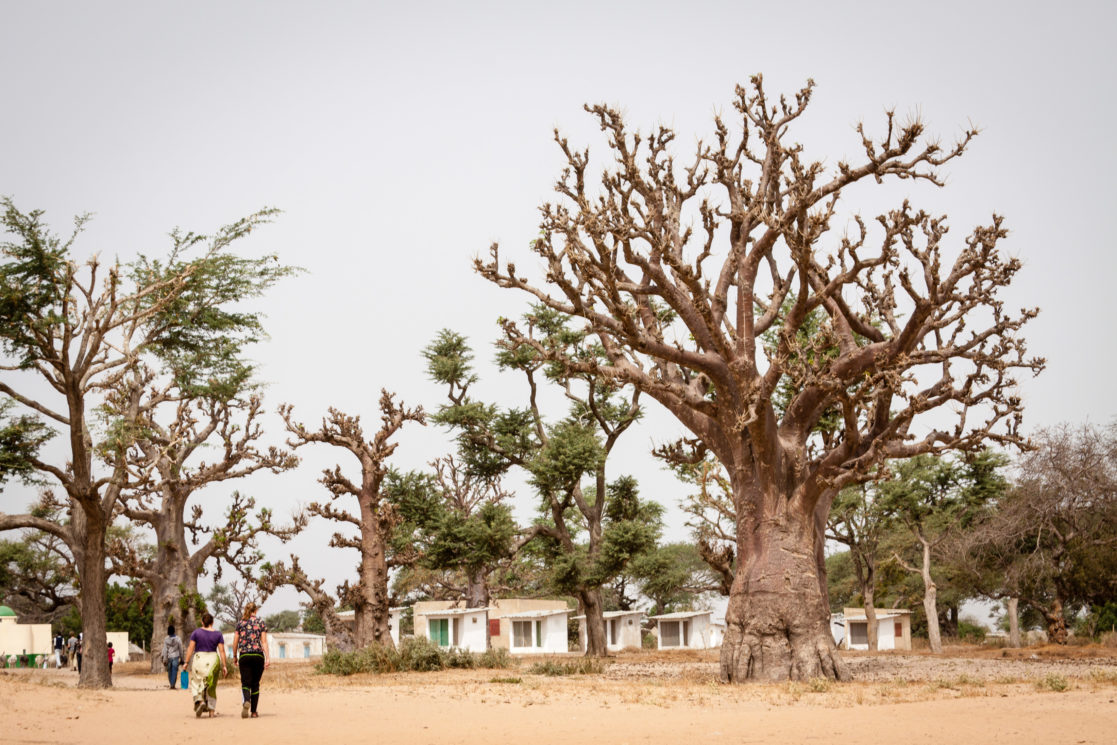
column 401, row 141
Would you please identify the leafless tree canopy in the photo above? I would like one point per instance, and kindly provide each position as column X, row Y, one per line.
column 699, row 277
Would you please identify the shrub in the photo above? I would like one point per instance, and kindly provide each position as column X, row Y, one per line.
column 495, row 659
column 970, row 631
column 415, row 654
column 421, row 655
column 1055, row 683
column 584, row 666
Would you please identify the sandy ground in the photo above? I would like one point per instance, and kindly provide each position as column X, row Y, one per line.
column 1024, row 697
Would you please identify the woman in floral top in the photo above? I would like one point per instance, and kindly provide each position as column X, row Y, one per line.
column 250, row 652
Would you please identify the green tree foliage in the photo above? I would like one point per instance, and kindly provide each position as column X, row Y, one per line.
column 459, row 525
column 673, row 576
column 933, row 497
column 128, row 608
column 1049, row 540
column 286, row 620
column 589, row 527
column 93, row 332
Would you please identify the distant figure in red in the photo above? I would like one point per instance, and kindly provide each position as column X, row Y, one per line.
column 112, row 653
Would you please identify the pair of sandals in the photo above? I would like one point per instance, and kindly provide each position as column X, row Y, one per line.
column 246, row 712
column 200, row 707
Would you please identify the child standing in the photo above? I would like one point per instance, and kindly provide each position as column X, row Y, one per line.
column 112, row 653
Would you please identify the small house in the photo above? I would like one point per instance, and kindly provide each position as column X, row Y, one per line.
column 893, row 629
column 622, row 630
column 31, row 641
column 687, row 630
column 394, row 615
column 289, row 645
column 446, row 626
column 502, row 631
column 537, row 631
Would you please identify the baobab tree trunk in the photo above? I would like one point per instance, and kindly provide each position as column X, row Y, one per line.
column 590, row 600
column 1056, row 622
column 778, row 619
column 371, row 622
column 174, row 593
column 1013, row 612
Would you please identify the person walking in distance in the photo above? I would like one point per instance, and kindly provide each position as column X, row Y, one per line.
column 171, row 656
column 59, row 643
column 250, row 653
column 72, row 645
column 206, row 647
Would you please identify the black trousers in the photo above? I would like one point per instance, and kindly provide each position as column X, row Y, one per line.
column 251, row 670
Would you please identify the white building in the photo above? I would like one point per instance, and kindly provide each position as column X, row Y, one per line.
column 288, row 645
column 692, row 629
column 464, row 628
column 622, row 630
column 538, row 631
column 23, row 639
column 893, row 629
column 394, row 616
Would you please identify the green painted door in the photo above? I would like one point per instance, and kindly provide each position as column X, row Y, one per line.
column 440, row 631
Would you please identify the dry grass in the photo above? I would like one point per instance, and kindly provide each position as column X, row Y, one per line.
column 689, row 679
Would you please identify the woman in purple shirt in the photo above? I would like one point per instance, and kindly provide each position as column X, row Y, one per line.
column 206, row 645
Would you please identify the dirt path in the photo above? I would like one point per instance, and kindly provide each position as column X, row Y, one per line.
column 493, row 707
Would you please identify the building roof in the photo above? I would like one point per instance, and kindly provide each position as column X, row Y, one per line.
column 6, row 611
column 681, row 615
column 859, row 613
column 352, row 613
column 614, row 614
column 451, row 611
column 537, row 613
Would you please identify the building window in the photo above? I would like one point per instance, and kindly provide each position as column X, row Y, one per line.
column 521, row 633
column 440, row 631
column 669, row 633
column 858, row 633
column 282, row 651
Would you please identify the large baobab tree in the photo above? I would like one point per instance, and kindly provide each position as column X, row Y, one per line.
column 375, row 519
column 680, row 271
column 206, row 440
column 73, row 333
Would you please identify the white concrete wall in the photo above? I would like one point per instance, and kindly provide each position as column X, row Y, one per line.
column 698, row 634
column 26, row 638
column 553, row 630
column 394, row 616
column 470, row 632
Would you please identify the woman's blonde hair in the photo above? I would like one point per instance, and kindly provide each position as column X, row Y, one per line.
column 248, row 611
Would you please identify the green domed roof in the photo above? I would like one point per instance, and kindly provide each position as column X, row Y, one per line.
column 6, row 611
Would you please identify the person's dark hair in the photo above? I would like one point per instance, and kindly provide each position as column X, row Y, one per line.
column 248, row 611
column 207, row 619
column 171, row 630
column 110, row 645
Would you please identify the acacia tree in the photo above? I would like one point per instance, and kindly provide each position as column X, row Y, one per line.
column 166, row 458
column 376, row 517
column 1050, row 540
column 586, row 534
column 460, row 525
column 857, row 520
column 82, row 329
column 37, row 571
column 680, row 313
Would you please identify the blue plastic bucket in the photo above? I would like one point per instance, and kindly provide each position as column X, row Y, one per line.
column 185, row 677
